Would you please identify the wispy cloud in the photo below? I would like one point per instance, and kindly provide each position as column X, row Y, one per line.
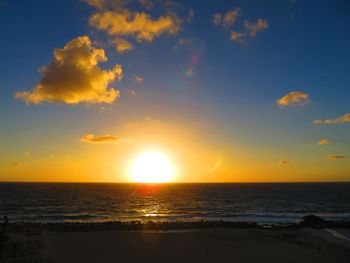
column 185, row 41
column 215, row 166
column 17, row 164
column 140, row 25
column 148, row 4
column 238, row 36
column 73, row 76
column 122, row 45
column 336, row 157
column 254, row 28
column 282, row 163
column 324, row 142
column 90, row 138
column 103, row 4
column 95, row 3
column 227, row 19
column 138, row 79
column 342, row 119
column 294, row 99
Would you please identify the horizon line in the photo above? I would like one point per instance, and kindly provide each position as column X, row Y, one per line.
column 165, row 183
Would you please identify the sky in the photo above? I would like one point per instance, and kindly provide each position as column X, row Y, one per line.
column 229, row 91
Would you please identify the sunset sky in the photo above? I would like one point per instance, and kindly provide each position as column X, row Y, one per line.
column 229, row 91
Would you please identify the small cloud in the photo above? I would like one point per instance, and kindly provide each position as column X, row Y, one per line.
column 131, row 92
column 215, row 166
column 102, row 4
column 294, row 99
column 189, row 72
column 122, row 45
column 254, row 28
column 95, row 3
column 228, row 19
column 336, row 157
column 90, row 138
column 217, row 18
column 148, row 4
column 73, row 76
column 140, row 25
column 238, row 36
column 190, row 15
column 17, row 164
column 282, row 163
column 185, row 41
column 342, row 119
column 323, row 142
column 138, row 79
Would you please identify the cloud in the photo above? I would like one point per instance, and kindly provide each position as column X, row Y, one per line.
column 17, row 164
column 336, row 157
column 282, row 163
column 324, row 142
column 228, row 19
column 102, row 4
column 190, row 15
column 215, row 166
column 217, row 18
column 148, row 4
column 254, row 28
column 122, row 45
column 132, row 92
column 73, row 76
column 342, row 119
column 138, row 79
column 294, row 99
column 140, row 25
column 95, row 3
column 238, row 36
column 90, row 138
column 185, row 41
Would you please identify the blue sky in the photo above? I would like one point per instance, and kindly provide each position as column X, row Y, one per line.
column 228, row 101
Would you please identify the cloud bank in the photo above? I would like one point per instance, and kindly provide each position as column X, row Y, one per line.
column 73, row 76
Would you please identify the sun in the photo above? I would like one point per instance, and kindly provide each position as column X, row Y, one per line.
column 152, row 167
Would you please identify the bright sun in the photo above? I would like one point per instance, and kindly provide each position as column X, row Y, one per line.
column 152, row 167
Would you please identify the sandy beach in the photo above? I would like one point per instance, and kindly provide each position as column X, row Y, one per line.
column 198, row 245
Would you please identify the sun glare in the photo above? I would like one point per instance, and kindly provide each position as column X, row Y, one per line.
column 152, row 167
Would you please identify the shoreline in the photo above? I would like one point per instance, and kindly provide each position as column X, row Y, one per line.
column 314, row 222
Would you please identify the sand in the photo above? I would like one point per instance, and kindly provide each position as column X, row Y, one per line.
column 201, row 245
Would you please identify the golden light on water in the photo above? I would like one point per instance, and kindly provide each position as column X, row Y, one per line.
column 152, row 167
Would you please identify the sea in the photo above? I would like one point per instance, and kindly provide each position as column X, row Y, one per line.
column 100, row 202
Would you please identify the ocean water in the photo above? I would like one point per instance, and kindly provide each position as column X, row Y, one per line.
column 264, row 203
